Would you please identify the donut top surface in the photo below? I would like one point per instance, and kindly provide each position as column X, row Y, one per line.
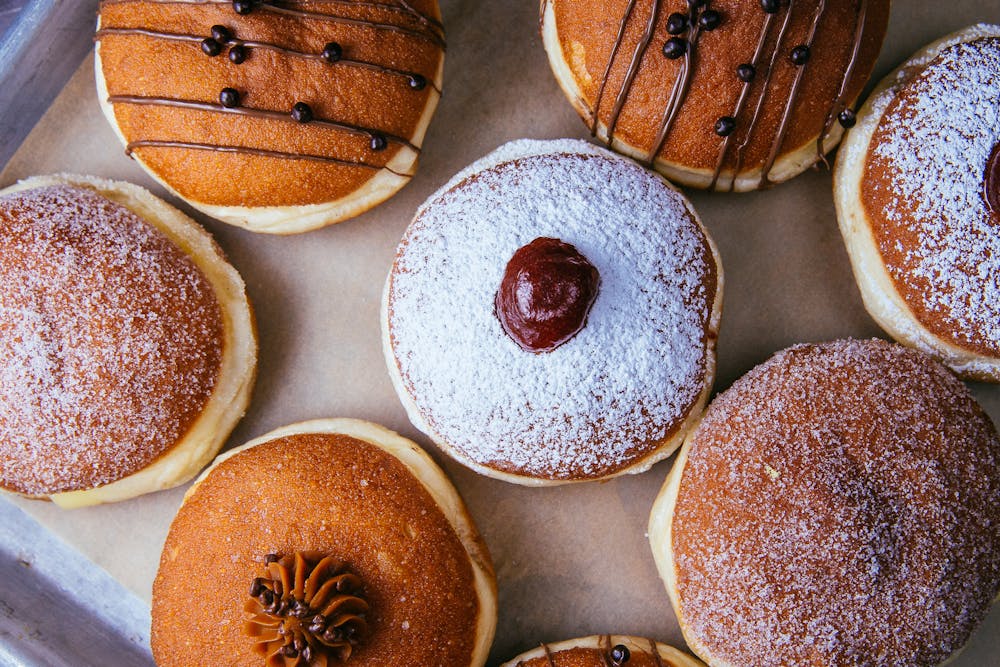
column 110, row 341
column 719, row 87
column 603, row 399
column 928, row 183
column 838, row 507
column 328, row 495
column 284, row 104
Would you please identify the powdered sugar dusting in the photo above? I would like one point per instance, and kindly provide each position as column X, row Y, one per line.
column 940, row 240
column 838, row 507
column 110, row 341
column 632, row 374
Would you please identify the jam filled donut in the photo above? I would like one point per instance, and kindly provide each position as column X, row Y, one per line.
column 541, row 331
column 604, row 651
column 280, row 116
column 127, row 346
column 328, row 542
column 836, row 506
column 718, row 94
column 918, row 199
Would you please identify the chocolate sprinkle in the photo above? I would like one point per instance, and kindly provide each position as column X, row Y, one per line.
column 847, row 118
column 725, row 126
column 332, row 52
column 378, row 142
column 210, row 47
column 302, row 112
column 237, row 54
column 620, row 655
column 418, row 82
column 242, row 7
column 770, row 6
column 675, row 47
column 229, row 98
column 710, row 20
column 221, row 34
column 800, row 55
column 746, row 72
column 677, row 23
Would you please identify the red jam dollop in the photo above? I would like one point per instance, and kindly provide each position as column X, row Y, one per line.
column 545, row 295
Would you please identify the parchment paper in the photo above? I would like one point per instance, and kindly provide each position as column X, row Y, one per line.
column 570, row 561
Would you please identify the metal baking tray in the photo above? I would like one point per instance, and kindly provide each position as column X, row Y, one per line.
column 56, row 607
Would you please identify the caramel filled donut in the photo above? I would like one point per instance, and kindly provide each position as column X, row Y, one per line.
column 836, row 506
column 542, row 332
column 279, row 116
column 604, row 651
column 917, row 187
column 723, row 95
column 320, row 543
column 127, row 346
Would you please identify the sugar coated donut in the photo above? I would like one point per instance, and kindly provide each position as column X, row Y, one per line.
column 604, row 651
column 127, row 345
column 918, row 199
column 280, row 116
column 540, row 330
column 836, row 506
column 726, row 94
column 331, row 541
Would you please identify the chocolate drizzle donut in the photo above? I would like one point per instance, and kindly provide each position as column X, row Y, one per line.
column 604, row 651
column 738, row 110
column 322, row 110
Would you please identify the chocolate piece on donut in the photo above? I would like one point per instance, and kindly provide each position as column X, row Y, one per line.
column 127, row 347
column 604, row 651
column 332, row 102
column 836, row 506
column 329, row 542
column 918, row 199
column 541, row 332
column 653, row 78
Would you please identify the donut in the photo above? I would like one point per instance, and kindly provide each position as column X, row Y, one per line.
column 331, row 541
column 279, row 116
column 835, row 506
column 541, row 332
column 722, row 95
column 127, row 345
column 604, row 651
column 917, row 187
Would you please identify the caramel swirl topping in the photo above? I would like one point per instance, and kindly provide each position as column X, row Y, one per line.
column 306, row 610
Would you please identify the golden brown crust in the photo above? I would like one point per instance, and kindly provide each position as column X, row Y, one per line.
column 142, row 65
column 835, row 491
column 587, row 32
column 910, row 232
column 112, row 343
column 316, row 492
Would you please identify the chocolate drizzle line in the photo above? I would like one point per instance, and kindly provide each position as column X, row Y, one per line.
column 233, row 41
column 763, row 94
column 428, row 34
column 633, row 69
column 548, row 655
column 741, row 101
column 840, row 103
column 153, row 143
column 607, row 70
column 793, row 95
column 681, row 85
column 255, row 113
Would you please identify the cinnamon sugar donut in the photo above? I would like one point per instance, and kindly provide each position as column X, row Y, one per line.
column 127, row 346
column 280, row 116
column 542, row 332
column 918, row 199
column 836, row 506
column 726, row 94
column 330, row 539
column 604, row 651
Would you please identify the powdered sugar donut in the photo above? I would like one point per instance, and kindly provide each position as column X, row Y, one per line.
column 836, row 506
column 918, row 199
column 551, row 315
